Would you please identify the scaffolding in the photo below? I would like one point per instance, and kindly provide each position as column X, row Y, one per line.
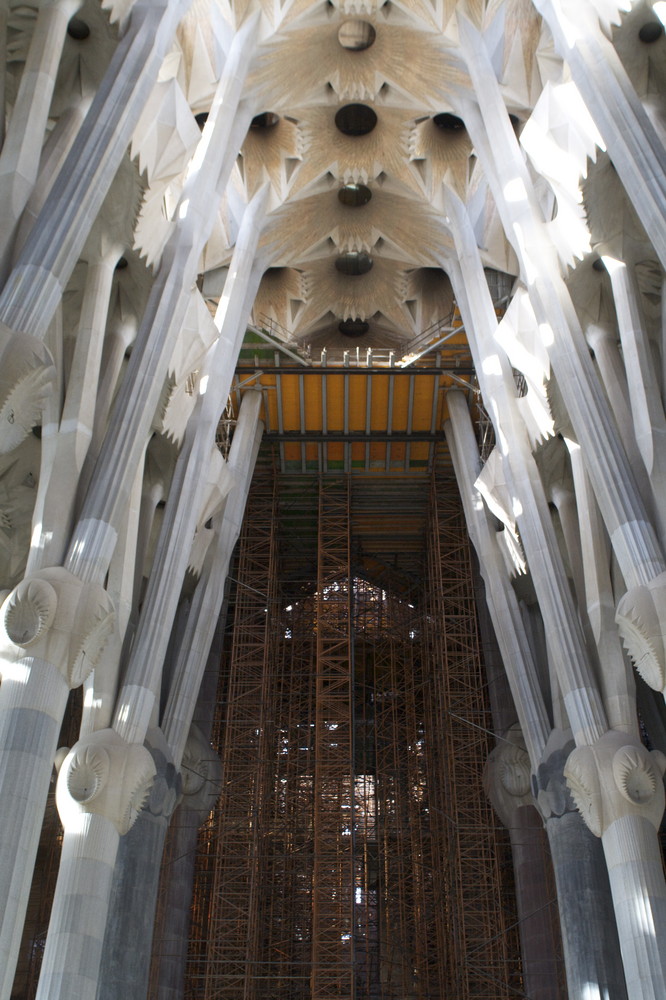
column 333, row 874
column 476, row 914
column 352, row 854
column 233, row 964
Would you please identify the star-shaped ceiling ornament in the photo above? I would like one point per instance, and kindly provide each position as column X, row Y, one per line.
column 303, row 66
column 354, row 297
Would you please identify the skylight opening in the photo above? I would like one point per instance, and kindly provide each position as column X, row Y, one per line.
column 353, row 327
column 354, row 195
column 356, row 35
column 355, row 119
column 78, row 29
column 448, row 122
column 354, row 262
column 650, row 32
column 265, row 120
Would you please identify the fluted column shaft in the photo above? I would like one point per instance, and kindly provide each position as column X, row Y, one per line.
column 589, row 934
column 635, row 869
column 30, row 298
column 584, row 927
column 33, row 695
column 19, row 160
column 54, row 508
column 649, row 421
column 129, row 427
column 79, row 909
column 125, row 963
column 538, row 935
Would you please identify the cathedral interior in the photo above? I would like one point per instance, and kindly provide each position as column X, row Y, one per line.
column 332, row 545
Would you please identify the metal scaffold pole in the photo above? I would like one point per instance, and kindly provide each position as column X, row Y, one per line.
column 234, row 953
column 333, row 877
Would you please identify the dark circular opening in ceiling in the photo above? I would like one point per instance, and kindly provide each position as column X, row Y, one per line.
column 78, row 29
column 356, row 35
column 354, row 195
column 651, row 32
column 353, row 327
column 267, row 119
column 201, row 119
column 598, row 264
column 356, row 119
column 354, row 262
column 448, row 122
column 122, row 263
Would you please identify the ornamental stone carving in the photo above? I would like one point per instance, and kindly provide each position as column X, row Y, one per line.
column 54, row 616
column 616, row 778
column 639, row 616
column 29, row 611
column 103, row 774
column 26, row 378
column 507, row 776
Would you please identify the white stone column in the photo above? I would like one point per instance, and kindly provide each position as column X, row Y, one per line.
column 19, row 160
column 129, row 933
column 564, row 502
column 632, row 142
column 209, row 593
column 95, row 536
column 184, row 500
column 501, row 598
column 647, row 410
column 604, row 342
column 55, row 504
column 590, row 770
column 3, row 74
column 121, row 333
column 135, row 405
column 102, row 786
column 30, row 298
column 616, row 679
column 137, row 698
column 54, row 153
column 589, row 936
column 53, row 633
column 566, row 643
column 632, row 535
column 618, row 788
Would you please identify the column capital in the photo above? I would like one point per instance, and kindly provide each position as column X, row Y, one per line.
column 616, row 777
column 507, row 776
column 104, row 775
column 641, row 620
column 54, row 617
